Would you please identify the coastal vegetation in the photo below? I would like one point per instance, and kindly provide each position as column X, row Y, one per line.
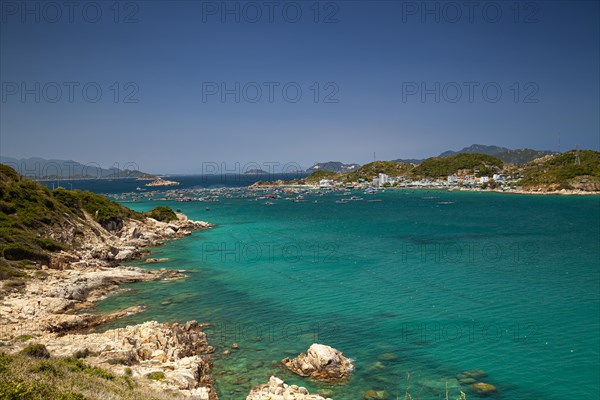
column 566, row 171
column 162, row 213
column 372, row 170
column 480, row 164
column 573, row 170
column 508, row 156
column 29, row 377
column 316, row 176
column 435, row 167
column 33, row 218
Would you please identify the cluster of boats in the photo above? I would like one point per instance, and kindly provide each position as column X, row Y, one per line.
column 268, row 196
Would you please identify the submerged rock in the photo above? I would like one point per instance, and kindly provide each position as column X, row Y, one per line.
column 483, row 389
column 276, row 389
column 375, row 395
column 388, row 357
column 320, row 362
column 472, row 373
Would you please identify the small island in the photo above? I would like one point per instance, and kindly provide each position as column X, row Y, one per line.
column 162, row 182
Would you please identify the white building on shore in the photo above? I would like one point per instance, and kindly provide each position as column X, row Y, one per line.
column 383, row 179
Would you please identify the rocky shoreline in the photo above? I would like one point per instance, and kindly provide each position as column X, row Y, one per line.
column 49, row 308
column 175, row 359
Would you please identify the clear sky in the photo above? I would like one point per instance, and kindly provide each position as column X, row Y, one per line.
column 187, row 82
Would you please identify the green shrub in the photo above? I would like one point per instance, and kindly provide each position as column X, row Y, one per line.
column 82, row 353
column 102, row 373
column 4, row 361
column 17, row 251
column 25, row 378
column 156, row 376
column 16, row 284
column 162, row 213
column 36, row 350
column 7, row 271
column 127, row 360
column 71, row 396
column 23, row 338
column 48, row 367
column 128, row 380
column 73, row 364
column 50, row 245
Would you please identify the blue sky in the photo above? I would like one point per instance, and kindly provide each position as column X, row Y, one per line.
column 401, row 79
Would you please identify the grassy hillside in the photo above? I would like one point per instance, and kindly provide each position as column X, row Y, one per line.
column 316, row 176
column 480, row 164
column 561, row 172
column 509, row 156
column 30, row 214
column 38, row 377
column 372, row 170
column 521, row 156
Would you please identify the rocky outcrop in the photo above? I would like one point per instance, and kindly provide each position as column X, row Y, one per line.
column 179, row 351
column 320, row 362
column 95, row 246
column 47, row 303
column 276, row 389
column 44, row 308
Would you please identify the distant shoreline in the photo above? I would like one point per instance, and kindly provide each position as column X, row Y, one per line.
column 562, row 192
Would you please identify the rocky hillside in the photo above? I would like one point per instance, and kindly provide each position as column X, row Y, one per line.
column 435, row 167
column 506, row 155
column 480, row 164
column 563, row 172
column 372, row 170
column 36, row 222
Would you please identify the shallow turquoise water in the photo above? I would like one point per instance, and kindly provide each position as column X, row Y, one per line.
column 505, row 283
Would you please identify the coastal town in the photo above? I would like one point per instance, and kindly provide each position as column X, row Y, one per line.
column 496, row 181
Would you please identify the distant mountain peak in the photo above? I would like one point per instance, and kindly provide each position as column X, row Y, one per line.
column 334, row 166
column 510, row 156
column 41, row 168
column 477, row 148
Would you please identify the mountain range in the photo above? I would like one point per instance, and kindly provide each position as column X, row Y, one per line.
column 509, row 156
column 506, row 155
column 333, row 166
column 41, row 168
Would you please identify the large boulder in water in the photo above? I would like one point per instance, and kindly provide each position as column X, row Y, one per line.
column 320, row 362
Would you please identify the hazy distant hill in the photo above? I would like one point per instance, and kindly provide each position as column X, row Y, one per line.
column 477, row 148
column 333, row 166
column 40, row 168
column 409, row 160
column 517, row 157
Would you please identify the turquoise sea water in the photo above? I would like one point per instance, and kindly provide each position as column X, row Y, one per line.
column 423, row 284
